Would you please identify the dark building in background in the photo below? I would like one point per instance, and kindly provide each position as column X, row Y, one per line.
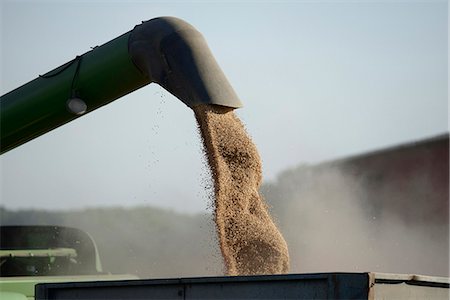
column 410, row 181
column 383, row 211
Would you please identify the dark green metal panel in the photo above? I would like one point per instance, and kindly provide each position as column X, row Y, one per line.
column 290, row 286
column 164, row 50
column 105, row 74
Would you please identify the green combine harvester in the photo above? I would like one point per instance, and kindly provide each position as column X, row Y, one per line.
column 38, row 254
column 53, row 262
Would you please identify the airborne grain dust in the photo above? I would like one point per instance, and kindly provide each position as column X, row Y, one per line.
column 249, row 240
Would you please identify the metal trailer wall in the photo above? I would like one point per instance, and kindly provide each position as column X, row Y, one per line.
column 291, row 286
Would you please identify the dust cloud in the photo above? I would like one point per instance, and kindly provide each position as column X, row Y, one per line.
column 382, row 213
column 331, row 224
column 326, row 216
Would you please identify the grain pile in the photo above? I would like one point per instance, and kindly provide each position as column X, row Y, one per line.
column 249, row 240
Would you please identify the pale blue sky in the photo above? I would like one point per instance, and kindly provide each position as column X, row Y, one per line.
column 320, row 80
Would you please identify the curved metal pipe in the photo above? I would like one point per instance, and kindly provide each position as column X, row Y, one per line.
column 166, row 50
column 174, row 54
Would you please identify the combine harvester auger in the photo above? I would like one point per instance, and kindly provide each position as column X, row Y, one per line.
column 167, row 51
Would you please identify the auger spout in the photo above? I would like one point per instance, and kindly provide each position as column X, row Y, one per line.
column 166, row 50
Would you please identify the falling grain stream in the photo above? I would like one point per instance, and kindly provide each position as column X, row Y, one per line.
column 249, row 240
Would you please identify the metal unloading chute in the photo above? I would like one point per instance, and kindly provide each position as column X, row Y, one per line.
column 165, row 50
